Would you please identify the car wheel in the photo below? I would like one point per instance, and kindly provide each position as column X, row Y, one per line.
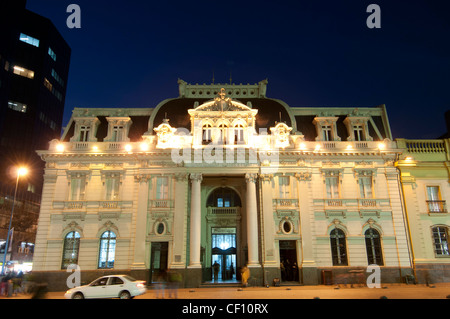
column 124, row 295
column 78, row 295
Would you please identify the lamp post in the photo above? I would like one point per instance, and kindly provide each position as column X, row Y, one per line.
column 20, row 171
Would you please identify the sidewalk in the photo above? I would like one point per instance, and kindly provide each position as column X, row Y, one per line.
column 389, row 291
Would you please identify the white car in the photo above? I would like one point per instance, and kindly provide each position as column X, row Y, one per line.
column 113, row 286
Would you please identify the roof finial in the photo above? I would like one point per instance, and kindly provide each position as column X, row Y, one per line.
column 213, row 77
column 230, row 77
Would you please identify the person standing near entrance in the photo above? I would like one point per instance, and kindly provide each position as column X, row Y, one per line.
column 216, row 268
column 245, row 276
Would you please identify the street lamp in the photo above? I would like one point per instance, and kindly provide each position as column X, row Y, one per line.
column 21, row 171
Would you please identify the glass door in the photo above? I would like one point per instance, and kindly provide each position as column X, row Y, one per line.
column 223, row 263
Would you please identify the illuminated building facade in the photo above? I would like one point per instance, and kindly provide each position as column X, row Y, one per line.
column 424, row 173
column 223, row 175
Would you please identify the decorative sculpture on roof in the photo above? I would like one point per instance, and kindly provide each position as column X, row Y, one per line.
column 281, row 132
column 165, row 134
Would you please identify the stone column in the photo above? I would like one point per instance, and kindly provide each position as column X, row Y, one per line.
column 141, row 223
column 179, row 228
column 252, row 221
column 195, row 233
column 308, row 262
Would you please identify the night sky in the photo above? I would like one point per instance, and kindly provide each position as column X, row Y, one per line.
column 313, row 53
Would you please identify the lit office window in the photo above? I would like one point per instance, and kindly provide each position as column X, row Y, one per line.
column 16, row 106
column 52, row 54
column 30, row 40
column 48, row 85
column 23, row 72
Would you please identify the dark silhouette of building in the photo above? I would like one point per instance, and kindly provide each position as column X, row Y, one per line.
column 34, row 68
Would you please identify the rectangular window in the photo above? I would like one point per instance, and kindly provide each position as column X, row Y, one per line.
column 162, row 188
column 30, row 40
column 433, row 193
column 117, row 133
column 57, row 77
column 23, row 72
column 77, row 188
column 16, row 106
column 48, row 85
column 326, row 129
column 84, row 133
column 365, row 187
column 57, row 94
column 332, row 186
column 434, row 202
column 112, row 187
column 284, row 185
column 52, row 54
column 358, row 132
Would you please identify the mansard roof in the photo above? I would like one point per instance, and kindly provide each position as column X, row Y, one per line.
column 269, row 112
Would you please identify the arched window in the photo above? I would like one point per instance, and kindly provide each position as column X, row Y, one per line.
column 440, row 240
column 239, row 134
column 223, row 197
column 373, row 247
column 71, row 249
column 207, row 133
column 107, row 250
column 338, row 247
column 222, row 134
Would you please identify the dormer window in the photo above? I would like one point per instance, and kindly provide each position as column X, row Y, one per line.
column 117, row 133
column 326, row 133
column 118, row 128
column 358, row 129
column 84, row 133
column 85, row 129
column 326, row 129
column 358, row 133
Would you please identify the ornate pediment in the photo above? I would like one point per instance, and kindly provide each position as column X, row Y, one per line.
column 222, row 104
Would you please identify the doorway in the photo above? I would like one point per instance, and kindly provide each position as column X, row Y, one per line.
column 288, row 260
column 158, row 261
column 223, row 252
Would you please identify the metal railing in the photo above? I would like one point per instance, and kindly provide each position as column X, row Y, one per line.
column 436, row 206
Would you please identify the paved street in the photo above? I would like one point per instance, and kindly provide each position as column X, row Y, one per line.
column 392, row 291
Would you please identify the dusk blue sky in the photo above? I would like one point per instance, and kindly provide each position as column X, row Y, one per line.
column 313, row 53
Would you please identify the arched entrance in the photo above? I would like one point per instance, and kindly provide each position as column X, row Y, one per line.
column 223, row 217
